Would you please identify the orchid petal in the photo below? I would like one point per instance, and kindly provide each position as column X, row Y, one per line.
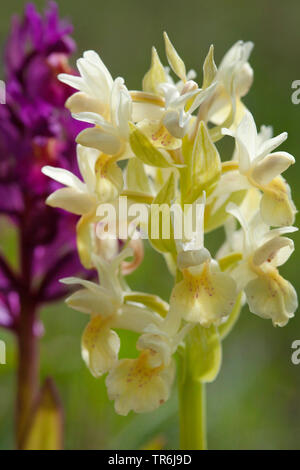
column 98, row 139
column 64, row 177
column 71, row 200
column 99, row 346
column 135, row 385
column 271, row 296
column 271, row 166
column 275, row 251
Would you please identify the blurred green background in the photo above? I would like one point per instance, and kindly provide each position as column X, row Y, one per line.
column 254, row 403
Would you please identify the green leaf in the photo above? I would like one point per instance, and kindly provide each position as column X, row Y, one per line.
column 155, row 76
column 206, row 163
column 176, row 63
column 145, row 150
column 209, row 68
column 46, row 428
column 160, row 225
column 203, row 165
column 136, row 177
column 203, row 354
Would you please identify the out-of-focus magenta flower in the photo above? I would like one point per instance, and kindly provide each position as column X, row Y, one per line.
column 36, row 130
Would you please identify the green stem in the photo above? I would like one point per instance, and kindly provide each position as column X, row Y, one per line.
column 192, row 412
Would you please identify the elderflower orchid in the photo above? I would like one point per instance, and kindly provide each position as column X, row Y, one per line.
column 94, row 84
column 105, row 304
column 135, row 385
column 172, row 161
column 176, row 117
column 102, row 182
column 143, row 384
column 262, row 250
column 263, row 170
column 233, row 80
column 205, row 295
column 235, row 68
column 101, row 101
column 180, row 99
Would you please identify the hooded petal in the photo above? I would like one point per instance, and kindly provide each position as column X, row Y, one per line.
column 277, row 207
column 71, row 200
column 271, row 296
column 276, row 251
column 81, row 102
column 100, row 346
column 98, row 139
column 271, row 166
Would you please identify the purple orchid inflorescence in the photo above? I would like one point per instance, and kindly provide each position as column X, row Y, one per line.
column 36, row 130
